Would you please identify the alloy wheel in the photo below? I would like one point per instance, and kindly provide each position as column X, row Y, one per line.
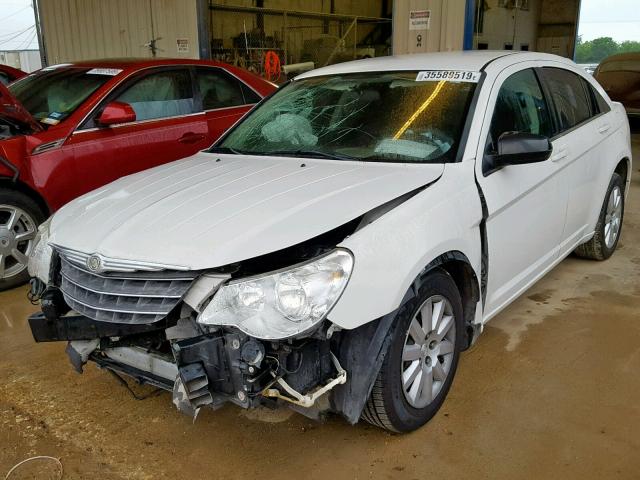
column 17, row 233
column 428, row 351
column 613, row 217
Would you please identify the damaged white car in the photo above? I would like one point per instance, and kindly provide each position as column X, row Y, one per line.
column 346, row 240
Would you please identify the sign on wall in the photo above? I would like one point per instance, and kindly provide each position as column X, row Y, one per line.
column 183, row 45
column 419, row 19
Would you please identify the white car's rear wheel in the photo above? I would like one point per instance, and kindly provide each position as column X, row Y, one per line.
column 609, row 226
column 422, row 359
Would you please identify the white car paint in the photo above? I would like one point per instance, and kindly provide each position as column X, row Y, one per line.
column 212, row 210
column 199, row 214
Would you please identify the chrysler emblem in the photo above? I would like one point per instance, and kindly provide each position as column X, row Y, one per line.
column 94, row 263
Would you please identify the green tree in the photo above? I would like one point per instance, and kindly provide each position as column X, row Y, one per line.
column 629, row 46
column 596, row 50
column 601, row 48
column 583, row 51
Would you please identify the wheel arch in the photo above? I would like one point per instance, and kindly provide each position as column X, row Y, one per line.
column 623, row 168
column 22, row 187
column 362, row 350
column 458, row 267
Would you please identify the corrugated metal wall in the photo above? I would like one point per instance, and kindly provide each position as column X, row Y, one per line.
column 89, row 29
column 445, row 32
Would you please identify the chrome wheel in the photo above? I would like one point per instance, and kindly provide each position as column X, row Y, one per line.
column 428, row 351
column 613, row 217
column 17, row 232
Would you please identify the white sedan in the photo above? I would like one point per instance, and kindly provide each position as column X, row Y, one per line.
column 341, row 245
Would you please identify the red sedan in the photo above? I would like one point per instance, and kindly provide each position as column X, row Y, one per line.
column 9, row 74
column 69, row 129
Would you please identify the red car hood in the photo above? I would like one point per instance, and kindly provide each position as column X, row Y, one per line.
column 12, row 110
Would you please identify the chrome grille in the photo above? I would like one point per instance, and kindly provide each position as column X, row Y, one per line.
column 132, row 297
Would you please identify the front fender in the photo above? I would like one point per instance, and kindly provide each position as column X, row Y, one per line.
column 390, row 252
column 12, row 157
column 8, row 169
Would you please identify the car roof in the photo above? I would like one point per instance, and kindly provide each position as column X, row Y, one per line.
column 622, row 56
column 137, row 63
column 473, row 60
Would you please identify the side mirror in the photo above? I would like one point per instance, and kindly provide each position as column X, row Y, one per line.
column 516, row 148
column 115, row 113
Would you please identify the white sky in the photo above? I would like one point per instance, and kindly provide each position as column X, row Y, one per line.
column 17, row 25
column 619, row 19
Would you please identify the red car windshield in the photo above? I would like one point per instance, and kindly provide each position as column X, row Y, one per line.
column 50, row 96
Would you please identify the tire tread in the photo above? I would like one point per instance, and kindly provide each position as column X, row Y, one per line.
column 595, row 249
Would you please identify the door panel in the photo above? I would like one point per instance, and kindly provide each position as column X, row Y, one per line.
column 166, row 129
column 219, row 121
column 526, row 207
column 584, row 138
column 106, row 154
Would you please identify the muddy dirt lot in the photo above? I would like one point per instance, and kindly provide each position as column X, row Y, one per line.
column 550, row 390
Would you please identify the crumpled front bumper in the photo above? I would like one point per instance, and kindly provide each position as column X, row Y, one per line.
column 207, row 367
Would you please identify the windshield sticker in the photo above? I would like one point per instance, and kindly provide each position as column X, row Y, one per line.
column 448, row 76
column 112, row 72
column 50, row 121
column 56, row 115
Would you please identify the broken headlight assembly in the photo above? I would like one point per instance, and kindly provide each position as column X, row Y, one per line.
column 282, row 304
column 40, row 258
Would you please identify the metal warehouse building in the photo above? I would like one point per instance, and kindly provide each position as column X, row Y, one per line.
column 243, row 32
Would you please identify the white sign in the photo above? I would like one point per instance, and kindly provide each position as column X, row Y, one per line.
column 419, row 19
column 104, row 71
column 448, row 76
column 183, row 45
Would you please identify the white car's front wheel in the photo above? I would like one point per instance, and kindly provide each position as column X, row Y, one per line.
column 422, row 359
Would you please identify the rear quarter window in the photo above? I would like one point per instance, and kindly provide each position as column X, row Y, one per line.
column 598, row 103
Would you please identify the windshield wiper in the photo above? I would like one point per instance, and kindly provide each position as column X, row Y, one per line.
column 312, row 154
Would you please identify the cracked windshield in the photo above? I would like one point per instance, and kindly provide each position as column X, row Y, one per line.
column 385, row 117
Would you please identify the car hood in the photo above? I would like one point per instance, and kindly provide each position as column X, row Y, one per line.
column 12, row 110
column 212, row 210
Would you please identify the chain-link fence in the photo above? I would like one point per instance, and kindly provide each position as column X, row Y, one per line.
column 282, row 43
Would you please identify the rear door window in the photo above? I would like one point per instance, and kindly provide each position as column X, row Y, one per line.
column 219, row 89
column 164, row 94
column 570, row 97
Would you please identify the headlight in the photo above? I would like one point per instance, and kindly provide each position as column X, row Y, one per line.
column 284, row 303
column 40, row 259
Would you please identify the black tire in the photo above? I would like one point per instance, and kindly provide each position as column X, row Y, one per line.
column 28, row 205
column 596, row 248
column 387, row 406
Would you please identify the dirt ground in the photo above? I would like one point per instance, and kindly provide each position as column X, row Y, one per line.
column 550, row 390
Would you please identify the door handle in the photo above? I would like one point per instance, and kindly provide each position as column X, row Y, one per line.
column 559, row 155
column 604, row 128
column 191, row 138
